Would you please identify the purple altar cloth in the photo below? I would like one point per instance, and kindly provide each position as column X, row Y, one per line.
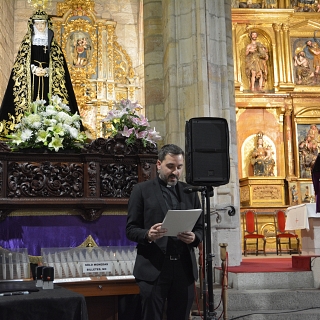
column 36, row 232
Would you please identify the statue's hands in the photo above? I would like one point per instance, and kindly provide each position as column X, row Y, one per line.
column 40, row 72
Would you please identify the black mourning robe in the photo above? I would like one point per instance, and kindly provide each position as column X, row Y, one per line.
column 22, row 88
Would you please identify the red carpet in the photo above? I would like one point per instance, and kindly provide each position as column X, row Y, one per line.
column 291, row 264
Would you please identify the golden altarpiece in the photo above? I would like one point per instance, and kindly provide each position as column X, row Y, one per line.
column 277, row 86
column 101, row 70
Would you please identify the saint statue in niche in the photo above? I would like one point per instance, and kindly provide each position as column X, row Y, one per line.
column 308, row 151
column 256, row 63
column 262, row 158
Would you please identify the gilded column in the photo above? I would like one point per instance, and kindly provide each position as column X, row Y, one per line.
column 284, row 4
column 282, row 64
column 278, row 55
column 287, row 54
column 100, row 30
column 110, row 86
column 288, row 140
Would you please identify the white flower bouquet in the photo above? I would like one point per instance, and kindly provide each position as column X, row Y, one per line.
column 48, row 126
column 125, row 120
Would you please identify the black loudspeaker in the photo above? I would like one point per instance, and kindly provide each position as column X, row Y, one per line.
column 207, row 152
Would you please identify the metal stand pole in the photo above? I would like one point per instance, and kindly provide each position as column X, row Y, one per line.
column 210, row 314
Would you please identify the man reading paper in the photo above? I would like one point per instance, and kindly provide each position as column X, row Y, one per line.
column 165, row 267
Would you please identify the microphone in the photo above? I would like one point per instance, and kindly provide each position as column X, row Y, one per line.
column 191, row 189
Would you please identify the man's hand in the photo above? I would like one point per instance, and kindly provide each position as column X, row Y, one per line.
column 156, row 232
column 186, row 237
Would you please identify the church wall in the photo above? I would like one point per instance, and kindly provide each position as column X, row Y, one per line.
column 6, row 42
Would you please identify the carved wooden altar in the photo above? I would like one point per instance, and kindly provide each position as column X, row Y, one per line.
column 101, row 174
column 286, row 109
column 259, row 192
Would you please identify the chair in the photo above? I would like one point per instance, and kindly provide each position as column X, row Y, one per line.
column 281, row 234
column 250, row 225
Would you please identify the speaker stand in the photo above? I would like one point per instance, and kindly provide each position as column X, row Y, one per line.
column 208, row 311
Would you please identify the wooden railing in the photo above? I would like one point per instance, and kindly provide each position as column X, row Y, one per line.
column 103, row 172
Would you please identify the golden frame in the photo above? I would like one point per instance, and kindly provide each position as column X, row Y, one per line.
column 102, row 71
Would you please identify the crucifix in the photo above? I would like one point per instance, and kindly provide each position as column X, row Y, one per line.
column 45, row 49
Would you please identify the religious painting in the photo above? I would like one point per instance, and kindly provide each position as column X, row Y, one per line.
column 308, row 147
column 307, row 192
column 306, row 60
column 79, row 49
column 294, row 194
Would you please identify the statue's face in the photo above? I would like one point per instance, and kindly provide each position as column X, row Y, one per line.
column 254, row 36
column 40, row 25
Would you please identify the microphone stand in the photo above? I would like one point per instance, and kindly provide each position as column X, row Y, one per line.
column 206, row 193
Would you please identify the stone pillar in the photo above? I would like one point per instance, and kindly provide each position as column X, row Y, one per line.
column 198, row 81
column 153, row 58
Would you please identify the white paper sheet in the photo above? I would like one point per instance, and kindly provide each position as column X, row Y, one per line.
column 180, row 220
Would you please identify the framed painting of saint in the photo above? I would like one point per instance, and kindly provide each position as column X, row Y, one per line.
column 79, row 49
column 307, row 192
column 308, row 147
column 294, row 194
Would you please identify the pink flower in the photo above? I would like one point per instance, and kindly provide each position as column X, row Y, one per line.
column 127, row 132
column 141, row 134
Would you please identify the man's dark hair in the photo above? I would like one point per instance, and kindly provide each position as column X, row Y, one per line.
column 169, row 149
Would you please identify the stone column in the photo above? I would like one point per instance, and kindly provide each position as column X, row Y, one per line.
column 153, row 58
column 198, row 81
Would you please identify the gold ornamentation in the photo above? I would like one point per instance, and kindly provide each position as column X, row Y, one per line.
column 100, row 40
column 266, row 193
column 122, row 64
column 89, row 242
column 40, row 5
column 131, row 92
column 244, row 194
column 110, row 88
column 108, row 73
column 269, row 231
column 78, row 7
column 121, row 96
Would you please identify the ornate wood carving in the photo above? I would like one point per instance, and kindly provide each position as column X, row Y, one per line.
column 103, row 173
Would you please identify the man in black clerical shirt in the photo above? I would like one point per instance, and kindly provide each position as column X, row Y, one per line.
column 165, row 267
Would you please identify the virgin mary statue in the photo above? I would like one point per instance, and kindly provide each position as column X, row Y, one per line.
column 39, row 71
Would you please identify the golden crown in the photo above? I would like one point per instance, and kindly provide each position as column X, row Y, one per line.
column 40, row 15
column 260, row 134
